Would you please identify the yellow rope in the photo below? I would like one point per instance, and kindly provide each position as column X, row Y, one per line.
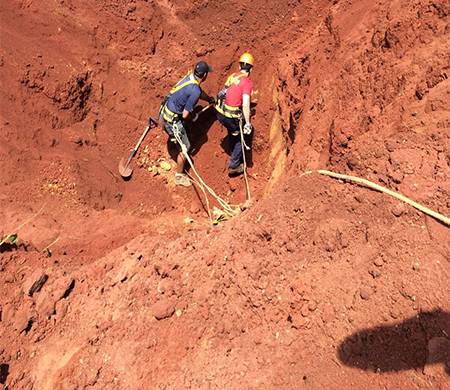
column 226, row 207
column 244, row 146
column 394, row 194
column 208, row 209
column 31, row 218
column 3, row 241
column 52, row 243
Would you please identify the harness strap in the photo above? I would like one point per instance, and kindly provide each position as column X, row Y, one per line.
column 225, row 109
column 167, row 114
column 234, row 79
column 228, row 111
column 180, row 85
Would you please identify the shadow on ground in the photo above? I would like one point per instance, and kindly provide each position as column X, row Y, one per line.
column 198, row 131
column 4, row 370
column 411, row 344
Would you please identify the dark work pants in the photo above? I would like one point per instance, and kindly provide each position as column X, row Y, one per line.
column 234, row 137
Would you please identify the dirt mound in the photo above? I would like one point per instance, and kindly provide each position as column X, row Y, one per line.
column 119, row 284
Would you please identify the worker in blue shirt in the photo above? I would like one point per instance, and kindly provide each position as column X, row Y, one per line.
column 178, row 107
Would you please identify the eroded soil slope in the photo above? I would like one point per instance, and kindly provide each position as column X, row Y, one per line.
column 319, row 284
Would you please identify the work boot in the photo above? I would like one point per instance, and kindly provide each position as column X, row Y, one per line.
column 182, row 180
column 236, row 171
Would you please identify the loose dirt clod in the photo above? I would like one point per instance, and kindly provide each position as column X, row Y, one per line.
column 163, row 309
column 35, row 282
column 365, row 292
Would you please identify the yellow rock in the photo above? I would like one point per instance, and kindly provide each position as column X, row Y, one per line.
column 165, row 165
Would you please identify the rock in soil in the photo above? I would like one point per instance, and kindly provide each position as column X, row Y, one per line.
column 162, row 309
column 35, row 282
column 365, row 292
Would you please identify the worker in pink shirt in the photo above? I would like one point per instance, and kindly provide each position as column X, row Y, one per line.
column 233, row 110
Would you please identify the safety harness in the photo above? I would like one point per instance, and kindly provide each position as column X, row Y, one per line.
column 226, row 110
column 164, row 111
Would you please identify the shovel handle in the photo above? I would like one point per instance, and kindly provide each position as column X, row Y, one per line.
column 150, row 124
column 141, row 139
column 205, row 108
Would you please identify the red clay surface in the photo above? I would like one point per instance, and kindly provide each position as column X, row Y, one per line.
column 318, row 284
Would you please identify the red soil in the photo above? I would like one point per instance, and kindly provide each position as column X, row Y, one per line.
column 318, row 284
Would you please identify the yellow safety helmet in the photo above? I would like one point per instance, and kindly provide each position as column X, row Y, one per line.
column 247, row 58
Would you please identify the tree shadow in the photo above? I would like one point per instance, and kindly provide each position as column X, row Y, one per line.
column 7, row 247
column 413, row 343
column 4, row 371
column 21, row 246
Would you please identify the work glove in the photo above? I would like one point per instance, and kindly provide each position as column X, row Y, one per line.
column 211, row 100
column 248, row 129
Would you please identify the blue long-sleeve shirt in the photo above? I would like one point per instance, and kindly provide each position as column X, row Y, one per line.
column 186, row 98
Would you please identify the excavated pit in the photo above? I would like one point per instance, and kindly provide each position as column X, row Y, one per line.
column 138, row 289
column 80, row 99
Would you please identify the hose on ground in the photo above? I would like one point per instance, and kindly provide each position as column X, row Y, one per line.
column 394, row 194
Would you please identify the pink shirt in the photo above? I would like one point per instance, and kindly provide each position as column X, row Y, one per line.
column 235, row 91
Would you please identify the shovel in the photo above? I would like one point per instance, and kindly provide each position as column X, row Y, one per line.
column 124, row 165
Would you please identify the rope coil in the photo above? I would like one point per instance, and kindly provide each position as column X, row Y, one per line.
column 225, row 206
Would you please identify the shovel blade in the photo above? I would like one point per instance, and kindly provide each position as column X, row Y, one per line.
column 124, row 168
